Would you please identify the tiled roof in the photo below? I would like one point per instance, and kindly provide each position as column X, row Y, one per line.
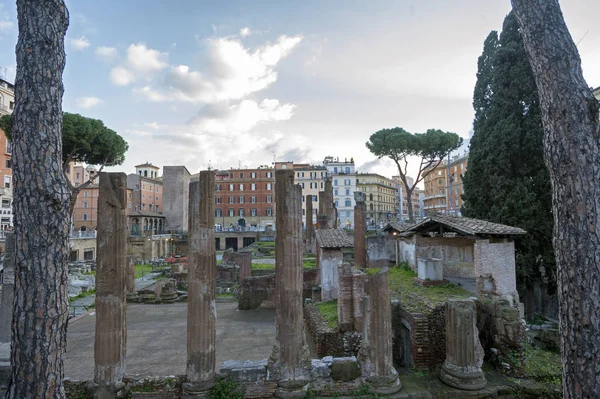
column 398, row 226
column 468, row 226
column 333, row 238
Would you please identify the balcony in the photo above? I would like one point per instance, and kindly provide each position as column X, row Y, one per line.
column 442, row 195
column 438, row 206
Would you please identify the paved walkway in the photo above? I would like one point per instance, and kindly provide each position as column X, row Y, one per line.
column 156, row 339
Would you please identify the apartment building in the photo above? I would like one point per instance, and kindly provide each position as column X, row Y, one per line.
column 245, row 197
column 343, row 178
column 444, row 186
column 7, row 104
column 416, row 199
column 147, row 188
column 85, row 212
column 382, row 199
column 7, row 97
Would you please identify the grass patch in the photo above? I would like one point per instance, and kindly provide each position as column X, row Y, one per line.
column 329, row 312
column 142, row 270
column 266, row 244
column 543, row 365
column 82, row 295
column 309, row 263
column 415, row 297
column 263, row 266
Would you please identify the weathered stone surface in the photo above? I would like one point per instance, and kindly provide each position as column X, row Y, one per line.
column 309, row 239
column 8, row 290
column 289, row 361
column 244, row 261
column 202, row 271
column 328, row 204
column 375, row 354
column 464, row 353
column 345, row 369
column 360, row 229
column 345, row 317
column 111, row 321
column 245, row 370
column 132, row 295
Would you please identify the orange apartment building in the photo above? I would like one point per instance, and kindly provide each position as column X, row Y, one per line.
column 444, row 186
column 247, row 194
column 145, row 200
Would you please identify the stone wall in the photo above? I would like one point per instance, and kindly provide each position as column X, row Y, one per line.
column 495, row 267
column 407, row 251
column 328, row 341
column 456, row 253
column 176, row 180
column 329, row 260
column 381, row 251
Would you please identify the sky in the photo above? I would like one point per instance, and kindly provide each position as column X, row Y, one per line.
column 246, row 83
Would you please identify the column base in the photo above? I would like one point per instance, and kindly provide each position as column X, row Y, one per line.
column 199, row 389
column 387, row 385
column 468, row 379
column 291, row 389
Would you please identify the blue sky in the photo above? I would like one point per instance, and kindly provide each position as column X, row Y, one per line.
column 231, row 83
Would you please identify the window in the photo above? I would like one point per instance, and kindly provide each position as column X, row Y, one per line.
column 241, row 187
column 321, row 184
column 269, row 174
column 268, row 186
column 158, row 191
column 5, row 203
column 156, row 208
column 335, row 192
column 84, row 216
column 241, row 199
column 253, row 200
column 439, row 172
column 347, row 214
column 335, row 182
column 253, row 186
column 218, row 188
column 218, row 213
column 231, row 187
column 335, row 169
column 8, row 147
column 143, row 196
column 241, row 212
column 253, row 212
column 439, row 181
column 336, row 203
column 218, row 200
column 85, row 194
column 347, row 192
column 269, row 199
column 150, row 197
column 348, row 202
column 8, row 163
column 85, row 204
column 253, row 175
column 347, row 169
column 269, row 212
column 88, row 254
column 150, row 206
column 231, row 213
column 241, row 175
column 315, row 199
column 302, row 184
column 303, row 212
column 231, row 175
column 347, row 182
column 231, row 200
column 303, row 198
column 7, row 181
column 143, row 207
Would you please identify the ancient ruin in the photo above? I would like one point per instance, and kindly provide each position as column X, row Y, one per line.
column 360, row 229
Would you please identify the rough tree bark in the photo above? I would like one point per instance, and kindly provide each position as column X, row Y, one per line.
column 41, row 204
column 572, row 154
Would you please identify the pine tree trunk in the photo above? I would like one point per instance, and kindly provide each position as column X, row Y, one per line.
column 411, row 216
column 41, row 204
column 572, row 153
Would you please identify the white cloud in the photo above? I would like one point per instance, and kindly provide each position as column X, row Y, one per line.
column 141, row 62
column 121, row 77
column 88, row 102
column 6, row 26
column 80, row 43
column 245, row 32
column 106, row 53
column 233, row 72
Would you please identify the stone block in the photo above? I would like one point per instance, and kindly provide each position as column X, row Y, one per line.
column 510, row 314
column 320, row 369
column 430, row 269
column 246, row 370
column 345, row 369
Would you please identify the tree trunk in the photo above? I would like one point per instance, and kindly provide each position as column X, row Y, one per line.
column 411, row 216
column 572, row 154
column 41, row 204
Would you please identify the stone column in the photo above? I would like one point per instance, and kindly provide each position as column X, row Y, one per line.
column 111, row 319
column 322, row 222
column 289, row 363
column 244, row 261
column 375, row 354
column 309, row 225
column 132, row 295
column 360, row 229
column 328, row 205
column 345, row 319
column 359, row 280
column 464, row 353
column 321, row 202
column 6, row 308
column 202, row 273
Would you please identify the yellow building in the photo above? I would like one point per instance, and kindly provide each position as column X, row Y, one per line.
column 444, row 186
column 382, row 197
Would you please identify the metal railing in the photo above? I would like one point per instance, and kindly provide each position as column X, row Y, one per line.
column 82, row 234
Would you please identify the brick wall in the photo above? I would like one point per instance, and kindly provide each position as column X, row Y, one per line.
column 328, row 342
column 495, row 267
column 381, row 251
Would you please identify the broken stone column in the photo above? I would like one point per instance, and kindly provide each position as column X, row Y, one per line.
column 6, row 308
column 345, row 316
column 132, row 295
column 202, row 272
column 464, row 353
column 289, row 363
column 111, row 318
column 375, row 352
column 309, row 240
column 359, row 280
column 360, row 229
column 244, row 261
column 321, row 202
column 328, row 205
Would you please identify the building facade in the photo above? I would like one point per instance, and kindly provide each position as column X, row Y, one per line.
column 416, row 198
column 7, row 97
column 147, row 189
column 245, row 198
column 444, row 186
column 382, row 198
column 7, row 104
column 343, row 179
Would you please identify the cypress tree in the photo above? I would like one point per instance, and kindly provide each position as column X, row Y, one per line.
column 506, row 180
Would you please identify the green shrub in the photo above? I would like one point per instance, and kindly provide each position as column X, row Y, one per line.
column 226, row 388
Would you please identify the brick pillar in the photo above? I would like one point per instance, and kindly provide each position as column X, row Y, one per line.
column 345, row 316
column 360, row 229
column 8, row 291
column 244, row 261
column 132, row 295
column 202, row 272
column 375, row 354
column 289, row 363
column 111, row 319
column 464, row 353
column 308, row 241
